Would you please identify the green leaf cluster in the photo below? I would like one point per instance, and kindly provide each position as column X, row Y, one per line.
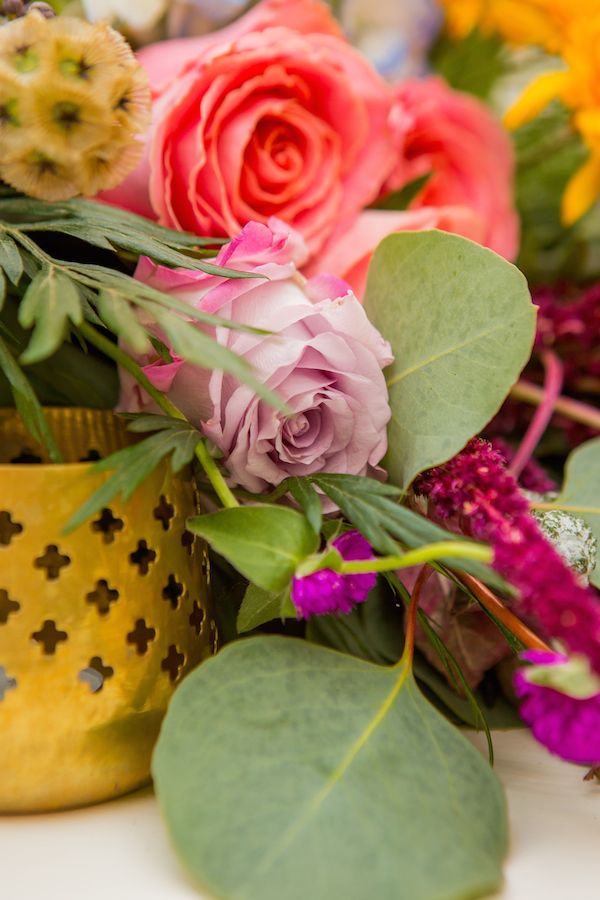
column 58, row 298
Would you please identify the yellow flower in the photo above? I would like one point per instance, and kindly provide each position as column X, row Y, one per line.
column 578, row 87
column 73, row 103
column 539, row 22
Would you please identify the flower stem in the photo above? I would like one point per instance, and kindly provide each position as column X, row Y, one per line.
column 420, row 556
column 114, row 352
column 411, row 617
column 553, row 383
column 495, row 606
column 575, row 410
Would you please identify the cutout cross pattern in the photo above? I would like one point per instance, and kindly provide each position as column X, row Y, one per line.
column 107, row 525
column 173, row 662
column 172, row 592
column 142, row 557
column 164, row 512
column 52, row 561
column 96, row 674
column 197, row 617
column 7, row 607
column 49, row 637
column 8, row 528
column 141, row 636
column 103, row 596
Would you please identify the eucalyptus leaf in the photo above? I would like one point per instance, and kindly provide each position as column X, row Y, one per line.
column 285, row 770
column 50, row 302
column 461, row 324
column 580, row 493
column 265, row 543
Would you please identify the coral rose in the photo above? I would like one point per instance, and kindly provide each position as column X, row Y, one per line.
column 469, row 156
column 324, row 359
column 276, row 115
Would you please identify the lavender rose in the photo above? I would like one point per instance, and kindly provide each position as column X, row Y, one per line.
column 325, row 360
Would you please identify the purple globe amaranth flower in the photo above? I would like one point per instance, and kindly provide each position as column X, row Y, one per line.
column 327, row 592
column 474, row 494
column 567, row 726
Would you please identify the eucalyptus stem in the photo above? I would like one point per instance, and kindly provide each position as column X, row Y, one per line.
column 531, row 393
column 420, row 556
column 114, row 352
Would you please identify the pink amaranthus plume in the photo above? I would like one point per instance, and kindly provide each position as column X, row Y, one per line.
column 482, row 499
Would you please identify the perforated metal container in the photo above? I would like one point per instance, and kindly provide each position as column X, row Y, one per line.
column 96, row 627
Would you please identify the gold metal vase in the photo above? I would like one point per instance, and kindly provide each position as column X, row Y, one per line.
column 97, row 627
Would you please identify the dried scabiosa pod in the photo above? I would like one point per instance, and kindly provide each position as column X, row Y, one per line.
column 73, row 104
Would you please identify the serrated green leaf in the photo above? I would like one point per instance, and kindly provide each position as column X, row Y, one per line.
column 580, row 494
column 307, row 498
column 351, row 781
column 118, row 316
column 265, row 543
column 27, row 403
column 10, row 258
column 370, row 506
column 461, row 324
column 132, row 465
column 50, row 302
column 260, row 606
column 2, row 289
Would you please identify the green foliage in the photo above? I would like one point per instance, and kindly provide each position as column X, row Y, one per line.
column 57, row 297
column 472, row 64
column 580, row 494
column 285, row 770
column 374, row 631
column 132, row 465
column 401, row 199
column 260, row 606
column 548, row 153
column 373, row 508
column 461, row 325
column 27, row 403
column 264, row 542
column 50, row 303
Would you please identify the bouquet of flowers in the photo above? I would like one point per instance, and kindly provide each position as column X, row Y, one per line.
column 342, row 260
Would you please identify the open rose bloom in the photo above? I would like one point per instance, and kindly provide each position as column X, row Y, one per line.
column 323, row 358
column 278, row 115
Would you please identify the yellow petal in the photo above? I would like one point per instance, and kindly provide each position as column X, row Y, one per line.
column 582, row 191
column 536, row 97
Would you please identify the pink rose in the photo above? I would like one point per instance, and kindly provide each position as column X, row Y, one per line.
column 324, row 359
column 276, row 115
column 458, row 140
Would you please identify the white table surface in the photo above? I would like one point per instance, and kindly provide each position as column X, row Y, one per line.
column 120, row 851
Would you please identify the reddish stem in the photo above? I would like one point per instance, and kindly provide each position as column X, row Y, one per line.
column 411, row 619
column 553, row 382
column 495, row 606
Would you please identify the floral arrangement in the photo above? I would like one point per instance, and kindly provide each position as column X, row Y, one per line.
column 296, row 245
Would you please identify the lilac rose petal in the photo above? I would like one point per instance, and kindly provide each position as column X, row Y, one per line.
column 322, row 356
